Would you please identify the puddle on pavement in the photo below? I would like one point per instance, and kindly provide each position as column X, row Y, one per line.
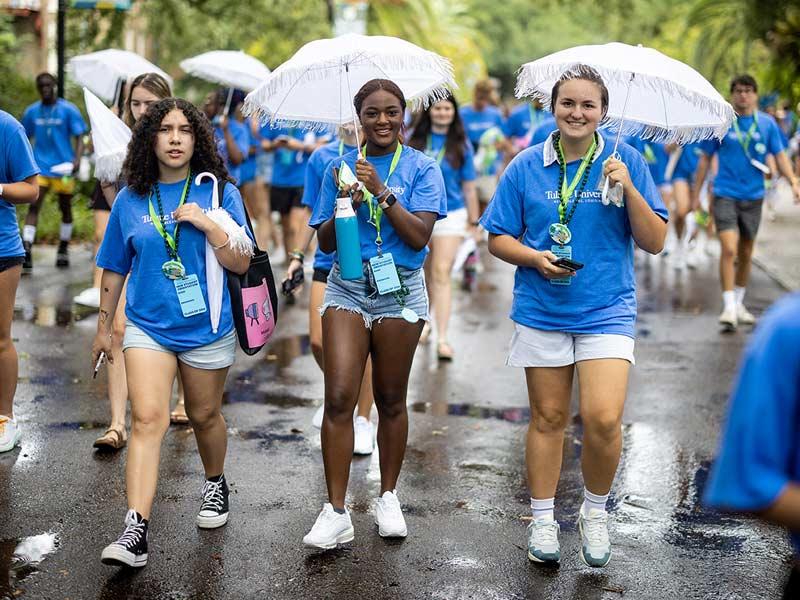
column 20, row 558
column 78, row 425
column 55, row 314
column 267, row 436
column 511, row 415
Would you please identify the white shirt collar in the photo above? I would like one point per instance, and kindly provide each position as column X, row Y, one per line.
column 549, row 154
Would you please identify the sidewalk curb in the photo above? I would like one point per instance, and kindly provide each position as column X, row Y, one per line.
column 773, row 274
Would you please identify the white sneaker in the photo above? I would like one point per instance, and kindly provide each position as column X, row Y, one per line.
column 364, row 436
column 9, row 433
column 543, row 541
column 88, row 297
column 595, row 545
column 692, row 258
column 744, row 316
column 316, row 420
column 330, row 529
column 389, row 516
column 728, row 319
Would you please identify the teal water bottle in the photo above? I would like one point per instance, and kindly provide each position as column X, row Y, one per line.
column 348, row 246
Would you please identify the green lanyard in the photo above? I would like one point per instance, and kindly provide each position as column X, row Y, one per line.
column 375, row 211
column 535, row 118
column 341, row 147
column 649, row 155
column 745, row 143
column 567, row 191
column 429, row 150
column 170, row 241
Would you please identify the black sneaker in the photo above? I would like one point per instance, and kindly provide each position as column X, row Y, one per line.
column 27, row 263
column 130, row 550
column 62, row 256
column 214, row 509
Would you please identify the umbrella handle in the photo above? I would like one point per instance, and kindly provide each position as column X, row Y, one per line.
column 215, row 197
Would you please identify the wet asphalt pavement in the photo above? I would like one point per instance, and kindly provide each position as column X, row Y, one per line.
column 462, row 487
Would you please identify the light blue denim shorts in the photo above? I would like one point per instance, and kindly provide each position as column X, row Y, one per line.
column 264, row 162
column 216, row 355
column 361, row 296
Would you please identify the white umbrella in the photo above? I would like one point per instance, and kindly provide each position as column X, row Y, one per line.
column 315, row 87
column 233, row 69
column 110, row 137
column 651, row 95
column 101, row 71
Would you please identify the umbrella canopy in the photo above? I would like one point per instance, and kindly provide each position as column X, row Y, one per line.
column 651, row 95
column 110, row 137
column 101, row 71
column 233, row 69
column 315, row 87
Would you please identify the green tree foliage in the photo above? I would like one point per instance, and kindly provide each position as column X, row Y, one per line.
column 16, row 90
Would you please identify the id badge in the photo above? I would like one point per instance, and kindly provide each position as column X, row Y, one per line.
column 562, row 252
column 760, row 166
column 384, row 272
column 190, row 296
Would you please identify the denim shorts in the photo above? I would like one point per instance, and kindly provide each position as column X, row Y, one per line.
column 360, row 296
column 216, row 355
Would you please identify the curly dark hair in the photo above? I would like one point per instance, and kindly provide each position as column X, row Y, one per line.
column 141, row 165
column 456, row 136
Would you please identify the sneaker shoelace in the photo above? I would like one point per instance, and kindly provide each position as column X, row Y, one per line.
column 131, row 536
column 212, row 496
column 596, row 528
column 545, row 533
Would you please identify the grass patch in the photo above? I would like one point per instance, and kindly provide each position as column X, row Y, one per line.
column 50, row 217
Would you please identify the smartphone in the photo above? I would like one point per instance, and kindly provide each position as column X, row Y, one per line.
column 288, row 285
column 282, row 138
column 569, row 264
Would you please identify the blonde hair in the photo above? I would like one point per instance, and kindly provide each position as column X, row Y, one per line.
column 153, row 83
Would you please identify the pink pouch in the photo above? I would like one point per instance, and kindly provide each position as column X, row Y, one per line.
column 259, row 317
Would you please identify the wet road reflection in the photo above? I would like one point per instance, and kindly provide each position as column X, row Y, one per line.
column 20, row 559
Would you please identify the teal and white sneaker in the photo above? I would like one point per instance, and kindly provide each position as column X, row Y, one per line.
column 595, row 545
column 543, row 541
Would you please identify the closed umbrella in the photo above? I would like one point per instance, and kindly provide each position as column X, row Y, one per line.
column 101, row 71
column 110, row 137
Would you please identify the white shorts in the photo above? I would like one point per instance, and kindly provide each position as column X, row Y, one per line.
column 216, row 355
column 485, row 185
column 537, row 348
column 455, row 223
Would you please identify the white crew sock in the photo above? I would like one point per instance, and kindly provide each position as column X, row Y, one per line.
column 543, row 509
column 65, row 233
column 592, row 502
column 739, row 291
column 29, row 233
column 729, row 299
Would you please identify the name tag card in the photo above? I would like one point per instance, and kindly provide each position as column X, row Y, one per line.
column 385, row 273
column 562, row 252
column 190, row 295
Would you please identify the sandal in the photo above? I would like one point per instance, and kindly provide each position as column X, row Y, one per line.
column 177, row 417
column 112, row 439
column 444, row 351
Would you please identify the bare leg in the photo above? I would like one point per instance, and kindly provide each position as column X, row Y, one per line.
column 729, row 241
column 117, row 380
column 32, row 218
column 65, row 206
column 603, row 387
column 315, row 321
column 549, row 390
column 150, row 377
column 745, row 261
column 680, row 190
column 394, row 342
column 346, row 346
column 443, row 254
column 365, row 399
column 203, row 390
column 297, row 217
column 9, row 361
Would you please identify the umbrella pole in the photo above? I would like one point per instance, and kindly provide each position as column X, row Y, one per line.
column 624, row 110
column 352, row 108
column 228, row 101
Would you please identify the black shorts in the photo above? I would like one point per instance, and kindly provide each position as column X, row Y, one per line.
column 98, row 199
column 321, row 275
column 744, row 215
column 284, row 199
column 9, row 262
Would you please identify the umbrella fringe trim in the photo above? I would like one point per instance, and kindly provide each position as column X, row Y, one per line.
column 527, row 87
column 109, row 167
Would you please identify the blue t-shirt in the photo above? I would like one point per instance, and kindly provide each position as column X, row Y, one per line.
column 655, row 155
column 16, row 164
column 737, row 178
column 759, row 452
column 290, row 166
column 52, row 128
column 315, row 172
column 132, row 245
column 601, row 298
column 247, row 170
column 520, row 124
column 453, row 178
column 417, row 184
column 476, row 123
column 543, row 130
column 241, row 137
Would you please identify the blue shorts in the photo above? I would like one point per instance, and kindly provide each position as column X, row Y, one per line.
column 216, row 355
column 360, row 296
column 247, row 171
column 264, row 162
